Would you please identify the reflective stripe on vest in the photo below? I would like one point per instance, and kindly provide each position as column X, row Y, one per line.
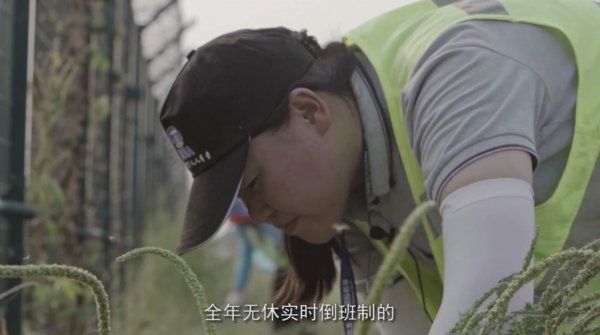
column 395, row 41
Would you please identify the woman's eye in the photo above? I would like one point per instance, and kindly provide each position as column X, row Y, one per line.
column 252, row 184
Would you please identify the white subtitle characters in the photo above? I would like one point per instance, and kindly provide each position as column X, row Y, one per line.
column 296, row 313
column 251, row 313
column 212, row 313
column 232, row 312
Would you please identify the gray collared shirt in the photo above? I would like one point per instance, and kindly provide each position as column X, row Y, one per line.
column 481, row 87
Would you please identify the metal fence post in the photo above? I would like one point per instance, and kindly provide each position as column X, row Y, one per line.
column 13, row 97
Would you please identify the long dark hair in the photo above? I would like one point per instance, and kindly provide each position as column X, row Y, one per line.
column 311, row 273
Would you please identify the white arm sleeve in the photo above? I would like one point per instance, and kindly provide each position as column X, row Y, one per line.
column 488, row 227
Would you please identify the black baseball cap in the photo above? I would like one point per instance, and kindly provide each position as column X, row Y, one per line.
column 223, row 96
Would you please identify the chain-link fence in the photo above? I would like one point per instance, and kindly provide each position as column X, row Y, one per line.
column 100, row 166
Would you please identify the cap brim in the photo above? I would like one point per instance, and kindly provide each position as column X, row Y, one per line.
column 211, row 197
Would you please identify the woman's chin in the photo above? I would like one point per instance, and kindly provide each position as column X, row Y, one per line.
column 320, row 237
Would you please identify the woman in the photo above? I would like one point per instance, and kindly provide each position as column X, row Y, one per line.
column 469, row 103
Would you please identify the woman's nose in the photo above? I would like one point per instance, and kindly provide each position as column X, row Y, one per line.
column 259, row 211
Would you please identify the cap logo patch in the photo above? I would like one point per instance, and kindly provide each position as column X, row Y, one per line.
column 186, row 153
column 183, row 150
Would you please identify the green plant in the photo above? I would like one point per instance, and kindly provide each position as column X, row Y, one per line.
column 560, row 309
column 388, row 268
column 188, row 275
column 74, row 273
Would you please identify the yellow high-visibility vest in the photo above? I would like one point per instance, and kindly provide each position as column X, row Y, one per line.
column 395, row 41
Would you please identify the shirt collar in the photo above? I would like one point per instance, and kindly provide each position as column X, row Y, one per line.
column 376, row 142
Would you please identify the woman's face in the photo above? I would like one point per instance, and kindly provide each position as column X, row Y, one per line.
column 299, row 177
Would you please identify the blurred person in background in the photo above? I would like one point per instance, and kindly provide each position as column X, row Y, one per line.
column 257, row 243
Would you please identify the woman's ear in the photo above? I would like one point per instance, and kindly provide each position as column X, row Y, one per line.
column 311, row 108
